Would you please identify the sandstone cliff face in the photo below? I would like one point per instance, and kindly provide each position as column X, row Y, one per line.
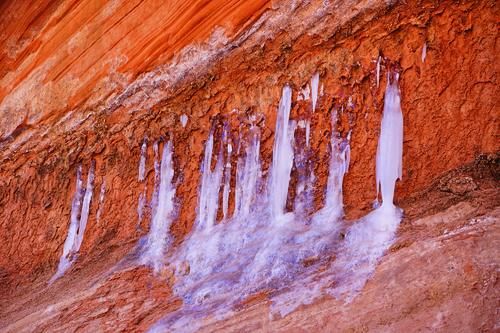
column 83, row 82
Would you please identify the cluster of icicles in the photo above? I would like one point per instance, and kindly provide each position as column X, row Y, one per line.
column 80, row 208
column 262, row 247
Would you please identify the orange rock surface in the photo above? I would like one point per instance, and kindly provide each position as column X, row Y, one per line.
column 84, row 81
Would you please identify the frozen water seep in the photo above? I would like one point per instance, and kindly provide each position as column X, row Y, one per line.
column 158, row 239
column 142, row 161
column 248, row 173
column 390, row 145
column 80, row 208
column 227, row 174
column 314, row 100
column 184, row 120
column 424, row 52
column 282, row 157
column 274, row 250
column 378, row 70
column 368, row 239
column 208, row 202
column 338, row 167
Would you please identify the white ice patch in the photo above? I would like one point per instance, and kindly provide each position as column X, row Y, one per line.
column 184, row 120
column 282, row 157
column 142, row 161
column 248, row 173
column 308, row 132
column 158, row 238
column 80, row 208
column 293, row 262
column 378, row 71
column 208, row 202
column 339, row 165
column 227, row 176
column 424, row 52
column 390, row 144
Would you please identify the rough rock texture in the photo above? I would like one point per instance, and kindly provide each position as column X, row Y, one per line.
column 440, row 275
column 81, row 81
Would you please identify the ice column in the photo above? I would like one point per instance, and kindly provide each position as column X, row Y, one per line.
column 282, row 156
column 339, row 165
column 390, row 144
column 142, row 161
column 247, row 175
column 378, row 70
column 424, row 52
column 84, row 216
column 314, row 100
column 227, row 174
column 80, row 208
column 208, row 202
column 158, row 239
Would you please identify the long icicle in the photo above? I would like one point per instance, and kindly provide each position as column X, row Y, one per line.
column 158, row 238
column 282, row 157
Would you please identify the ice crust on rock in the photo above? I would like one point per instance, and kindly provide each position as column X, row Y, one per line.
column 80, row 208
column 263, row 247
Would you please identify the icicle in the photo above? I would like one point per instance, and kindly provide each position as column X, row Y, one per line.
column 254, row 252
column 80, row 208
column 314, row 88
column 208, row 202
column 102, row 193
column 367, row 240
column 378, row 70
column 158, row 239
column 213, row 191
column 424, row 52
column 282, row 156
column 142, row 161
column 227, row 179
column 390, row 144
column 184, row 120
column 339, row 165
column 247, row 175
column 205, row 178
column 84, row 216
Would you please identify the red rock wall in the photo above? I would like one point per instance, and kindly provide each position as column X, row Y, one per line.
column 449, row 102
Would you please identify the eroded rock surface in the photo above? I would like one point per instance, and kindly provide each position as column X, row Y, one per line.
column 83, row 82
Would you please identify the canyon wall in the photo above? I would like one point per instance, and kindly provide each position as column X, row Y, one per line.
column 82, row 82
